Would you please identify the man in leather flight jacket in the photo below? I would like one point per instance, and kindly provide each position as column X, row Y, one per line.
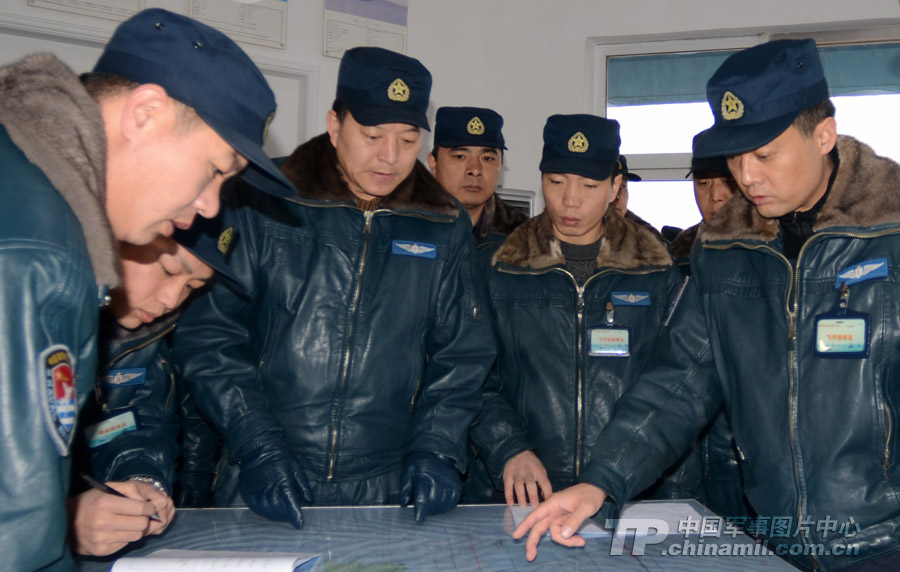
column 86, row 163
column 351, row 373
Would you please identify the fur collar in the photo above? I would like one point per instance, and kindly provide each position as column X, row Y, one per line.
column 859, row 197
column 312, row 168
column 681, row 246
column 57, row 125
column 500, row 218
column 626, row 244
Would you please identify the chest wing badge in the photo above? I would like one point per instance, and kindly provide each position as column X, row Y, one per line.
column 418, row 249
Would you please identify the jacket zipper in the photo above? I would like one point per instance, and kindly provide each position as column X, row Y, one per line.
column 793, row 298
column 354, row 302
column 98, row 391
column 579, row 314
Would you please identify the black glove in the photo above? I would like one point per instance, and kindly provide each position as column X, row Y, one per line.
column 193, row 490
column 435, row 481
column 271, row 481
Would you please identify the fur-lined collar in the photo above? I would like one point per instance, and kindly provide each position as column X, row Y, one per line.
column 626, row 244
column 57, row 125
column 681, row 246
column 500, row 218
column 312, row 168
column 862, row 196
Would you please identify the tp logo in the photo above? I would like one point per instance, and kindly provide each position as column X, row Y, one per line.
column 642, row 537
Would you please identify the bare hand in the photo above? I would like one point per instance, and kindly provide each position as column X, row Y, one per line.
column 103, row 524
column 523, row 475
column 562, row 514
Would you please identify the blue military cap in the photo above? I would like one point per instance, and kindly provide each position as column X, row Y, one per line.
column 757, row 93
column 586, row 145
column 717, row 164
column 205, row 70
column 623, row 168
column 212, row 240
column 380, row 86
column 462, row 126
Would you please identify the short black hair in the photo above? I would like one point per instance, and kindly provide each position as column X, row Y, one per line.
column 810, row 117
column 341, row 109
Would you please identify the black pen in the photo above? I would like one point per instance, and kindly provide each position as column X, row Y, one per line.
column 103, row 488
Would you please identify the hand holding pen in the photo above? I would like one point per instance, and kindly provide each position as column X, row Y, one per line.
column 103, row 522
column 104, row 488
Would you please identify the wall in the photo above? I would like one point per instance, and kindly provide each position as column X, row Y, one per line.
column 527, row 59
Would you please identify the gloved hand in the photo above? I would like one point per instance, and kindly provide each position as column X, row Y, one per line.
column 194, row 489
column 271, row 482
column 434, row 479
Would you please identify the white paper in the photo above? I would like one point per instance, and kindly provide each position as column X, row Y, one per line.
column 118, row 10
column 167, row 560
column 261, row 22
column 671, row 512
column 374, row 23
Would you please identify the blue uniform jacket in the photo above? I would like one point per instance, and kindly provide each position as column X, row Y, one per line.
column 57, row 255
column 362, row 340
column 132, row 426
column 550, row 390
column 817, row 436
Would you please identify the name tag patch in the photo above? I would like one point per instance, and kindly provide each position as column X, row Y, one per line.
column 110, row 428
column 866, row 270
column 418, row 249
column 613, row 341
column 60, row 400
column 842, row 336
column 128, row 376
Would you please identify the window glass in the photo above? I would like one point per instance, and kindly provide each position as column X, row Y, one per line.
column 660, row 102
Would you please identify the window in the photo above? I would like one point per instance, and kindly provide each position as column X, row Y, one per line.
column 657, row 92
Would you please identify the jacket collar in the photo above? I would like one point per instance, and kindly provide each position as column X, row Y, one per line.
column 312, row 168
column 57, row 125
column 625, row 245
column 499, row 218
column 681, row 246
column 861, row 197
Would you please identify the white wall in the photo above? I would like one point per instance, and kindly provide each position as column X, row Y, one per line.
column 525, row 58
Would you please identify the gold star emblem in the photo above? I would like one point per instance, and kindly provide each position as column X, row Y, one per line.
column 475, row 127
column 224, row 243
column 578, row 143
column 266, row 128
column 732, row 107
column 398, row 90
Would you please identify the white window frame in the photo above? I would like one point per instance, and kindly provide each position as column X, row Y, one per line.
column 655, row 166
column 672, row 166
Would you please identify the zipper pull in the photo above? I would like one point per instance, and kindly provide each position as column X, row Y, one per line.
column 792, row 331
column 609, row 314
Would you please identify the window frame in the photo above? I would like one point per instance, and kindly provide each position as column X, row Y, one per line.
column 672, row 166
column 655, row 166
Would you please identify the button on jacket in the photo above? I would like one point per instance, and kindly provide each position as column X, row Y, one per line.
column 363, row 338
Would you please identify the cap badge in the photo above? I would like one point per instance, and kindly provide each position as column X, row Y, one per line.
column 578, row 143
column 266, row 128
column 732, row 107
column 475, row 127
column 398, row 90
column 224, row 243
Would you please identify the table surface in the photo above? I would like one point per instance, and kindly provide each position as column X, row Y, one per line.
column 387, row 539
